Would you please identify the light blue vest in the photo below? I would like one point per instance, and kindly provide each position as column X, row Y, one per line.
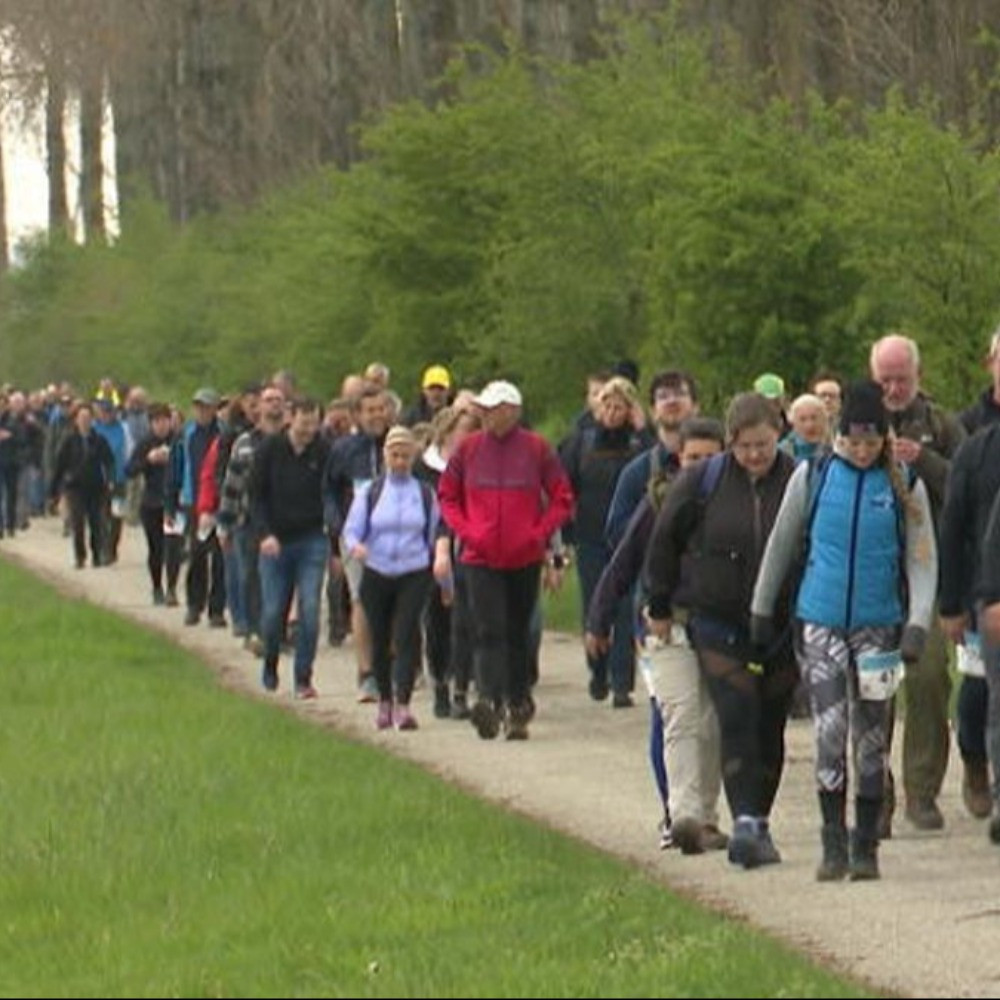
column 852, row 573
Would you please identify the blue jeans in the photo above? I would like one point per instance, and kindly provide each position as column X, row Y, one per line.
column 618, row 664
column 233, row 561
column 299, row 566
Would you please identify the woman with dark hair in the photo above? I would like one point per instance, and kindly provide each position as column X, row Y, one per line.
column 150, row 460
column 868, row 538
column 716, row 520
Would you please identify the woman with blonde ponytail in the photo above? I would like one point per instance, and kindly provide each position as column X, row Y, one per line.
column 864, row 605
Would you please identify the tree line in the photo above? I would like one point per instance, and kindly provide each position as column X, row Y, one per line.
column 714, row 186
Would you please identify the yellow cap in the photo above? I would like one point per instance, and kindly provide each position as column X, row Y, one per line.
column 436, row 375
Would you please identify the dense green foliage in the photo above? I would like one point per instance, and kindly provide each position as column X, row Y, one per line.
column 163, row 837
column 543, row 222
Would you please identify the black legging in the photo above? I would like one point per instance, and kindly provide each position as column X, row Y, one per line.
column 393, row 605
column 161, row 548
column 752, row 710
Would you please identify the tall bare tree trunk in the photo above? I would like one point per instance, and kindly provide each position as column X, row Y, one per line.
column 4, row 234
column 428, row 39
column 91, row 159
column 55, row 148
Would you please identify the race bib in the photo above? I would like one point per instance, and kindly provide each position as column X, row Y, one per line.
column 969, row 656
column 879, row 675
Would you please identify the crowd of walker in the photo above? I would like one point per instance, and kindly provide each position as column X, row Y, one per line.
column 831, row 549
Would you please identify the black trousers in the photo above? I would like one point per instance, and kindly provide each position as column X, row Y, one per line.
column 8, row 484
column 206, row 575
column 86, row 510
column 393, row 606
column 502, row 602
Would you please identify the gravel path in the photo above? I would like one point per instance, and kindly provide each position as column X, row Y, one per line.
column 931, row 927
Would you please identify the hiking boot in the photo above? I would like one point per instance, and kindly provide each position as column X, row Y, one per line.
column 269, row 676
column 403, row 719
column 158, row 597
column 486, row 720
column 459, row 706
column 217, row 621
column 254, row 644
column 751, row 845
column 835, row 863
column 924, row 814
column 442, row 702
column 192, row 617
column 171, row 599
column 976, row 789
column 383, row 717
column 687, row 833
column 888, row 808
column 516, row 723
column 622, row 699
column 994, row 830
column 743, row 844
column 598, row 688
column 863, row 865
column 367, row 690
column 712, row 838
column 767, row 853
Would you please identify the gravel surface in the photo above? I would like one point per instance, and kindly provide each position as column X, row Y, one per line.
column 930, row 927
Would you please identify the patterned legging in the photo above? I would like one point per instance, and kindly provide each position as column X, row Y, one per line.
column 828, row 661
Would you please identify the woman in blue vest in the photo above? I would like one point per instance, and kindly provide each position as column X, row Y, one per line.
column 864, row 604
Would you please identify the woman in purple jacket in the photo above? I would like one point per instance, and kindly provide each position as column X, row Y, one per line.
column 392, row 528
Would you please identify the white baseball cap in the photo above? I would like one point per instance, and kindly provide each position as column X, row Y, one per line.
column 497, row 393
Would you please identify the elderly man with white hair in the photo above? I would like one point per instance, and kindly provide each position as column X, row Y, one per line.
column 926, row 439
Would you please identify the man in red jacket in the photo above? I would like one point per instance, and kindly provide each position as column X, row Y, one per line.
column 503, row 494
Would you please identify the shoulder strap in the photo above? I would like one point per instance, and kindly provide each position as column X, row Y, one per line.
column 654, row 480
column 428, row 499
column 711, row 472
column 374, row 492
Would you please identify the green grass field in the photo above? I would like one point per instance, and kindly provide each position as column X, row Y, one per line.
column 160, row 836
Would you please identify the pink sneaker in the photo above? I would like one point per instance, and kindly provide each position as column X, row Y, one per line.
column 306, row 693
column 383, row 719
column 404, row 718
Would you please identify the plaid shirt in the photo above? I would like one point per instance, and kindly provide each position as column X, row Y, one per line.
column 234, row 502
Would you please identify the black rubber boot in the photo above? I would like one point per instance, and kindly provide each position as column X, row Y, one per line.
column 864, row 840
column 834, row 865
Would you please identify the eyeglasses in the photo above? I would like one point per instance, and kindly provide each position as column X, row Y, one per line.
column 670, row 395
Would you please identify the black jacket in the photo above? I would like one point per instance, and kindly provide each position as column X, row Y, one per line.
column 593, row 458
column 154, row 488
column 724, row 534
column 983, row 412
column 969, row 566
column 83, row 464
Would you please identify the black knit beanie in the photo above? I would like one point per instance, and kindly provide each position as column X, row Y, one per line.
column 863, row 411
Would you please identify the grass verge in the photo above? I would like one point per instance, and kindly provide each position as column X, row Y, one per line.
column 162, row 837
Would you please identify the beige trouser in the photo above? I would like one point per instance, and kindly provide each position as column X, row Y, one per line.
column 690, row 733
